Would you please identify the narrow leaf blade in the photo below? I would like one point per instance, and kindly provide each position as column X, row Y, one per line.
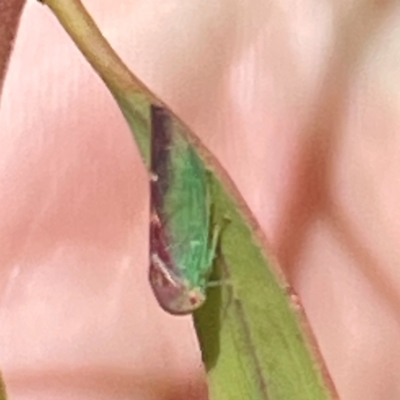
column 254, row 338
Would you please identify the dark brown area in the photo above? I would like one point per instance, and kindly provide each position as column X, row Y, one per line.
column 10, row 13
column 161, row 137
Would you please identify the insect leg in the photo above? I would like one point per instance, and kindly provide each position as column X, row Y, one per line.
column 214, row 243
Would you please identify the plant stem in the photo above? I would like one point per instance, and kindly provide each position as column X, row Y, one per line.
column 84, row 32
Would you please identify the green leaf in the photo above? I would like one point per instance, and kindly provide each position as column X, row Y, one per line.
column 254, row 338
column 250, row 329
column 3, row 392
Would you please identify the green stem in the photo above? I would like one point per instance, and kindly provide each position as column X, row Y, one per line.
column 87, row 36
column 130, row 93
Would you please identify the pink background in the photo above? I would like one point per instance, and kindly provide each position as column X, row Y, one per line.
column 300, row 102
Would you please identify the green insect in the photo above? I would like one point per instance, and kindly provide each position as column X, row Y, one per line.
column 182, row 241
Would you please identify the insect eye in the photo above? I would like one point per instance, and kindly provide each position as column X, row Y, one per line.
column 193, row 300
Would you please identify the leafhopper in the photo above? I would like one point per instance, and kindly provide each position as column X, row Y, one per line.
column 182, row 241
